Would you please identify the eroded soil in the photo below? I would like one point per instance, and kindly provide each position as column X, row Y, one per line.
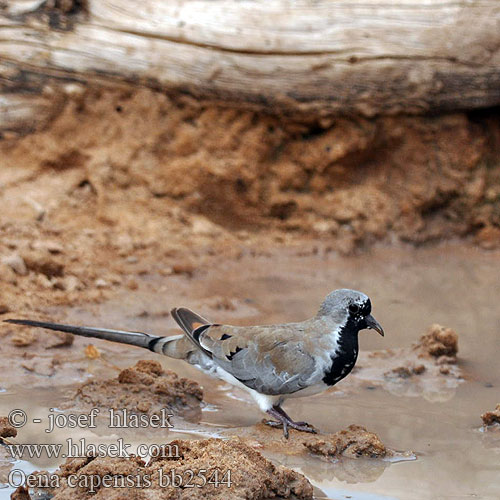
column 125, row 183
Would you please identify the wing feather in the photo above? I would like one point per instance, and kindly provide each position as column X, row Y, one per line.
column 270, row 360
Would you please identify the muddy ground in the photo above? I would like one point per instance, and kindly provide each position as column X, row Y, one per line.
column 129, row 202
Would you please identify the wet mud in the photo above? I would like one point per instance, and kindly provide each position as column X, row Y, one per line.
column 355, row 441
column 388, row 393
column 427, row 368
column 378, row 396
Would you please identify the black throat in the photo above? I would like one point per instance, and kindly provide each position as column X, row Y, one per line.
column 344, row 359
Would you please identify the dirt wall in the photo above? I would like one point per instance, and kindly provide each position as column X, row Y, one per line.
column 130, row 181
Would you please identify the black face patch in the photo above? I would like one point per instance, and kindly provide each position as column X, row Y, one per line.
column 344, row 359
column 357, row 310
column 367, row 308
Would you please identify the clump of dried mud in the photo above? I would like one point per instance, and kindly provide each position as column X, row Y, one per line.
column 144, row 388
column 251, row 475
column 439, row 342
column 491, row 417
column 439, row 345
column 355, row 441
column 429, row 368
column 6, row 430
column 406, row 371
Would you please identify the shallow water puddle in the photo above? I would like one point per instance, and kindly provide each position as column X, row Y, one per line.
column 409, row 289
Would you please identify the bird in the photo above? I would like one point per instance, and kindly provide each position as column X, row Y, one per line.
column 271, row 362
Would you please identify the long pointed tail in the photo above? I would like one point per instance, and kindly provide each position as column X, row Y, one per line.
column 152, row 342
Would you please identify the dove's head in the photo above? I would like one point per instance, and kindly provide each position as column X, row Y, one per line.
column 345, row 306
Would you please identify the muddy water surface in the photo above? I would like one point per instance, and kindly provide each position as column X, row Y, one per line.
column 440, row 423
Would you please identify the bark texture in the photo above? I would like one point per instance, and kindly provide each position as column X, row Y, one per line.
column 313, row 59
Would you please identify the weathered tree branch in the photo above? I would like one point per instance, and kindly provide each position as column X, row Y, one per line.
column 318, row 58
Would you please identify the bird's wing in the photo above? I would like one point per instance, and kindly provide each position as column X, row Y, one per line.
column 271, row 359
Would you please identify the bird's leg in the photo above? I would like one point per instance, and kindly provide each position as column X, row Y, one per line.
column 282, row 412
column 279, row 422
column 284, row 420
column 301, row 426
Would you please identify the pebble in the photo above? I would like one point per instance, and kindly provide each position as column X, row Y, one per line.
column 204, row 227
column 68, row 283
column 100, row 283
column 43, row 281
column 92, row 352
column 41, row 263
column 72, row 283
column 326, row 226
column 58, row 339
column 132, row 284
column 50, row 246
column 16, row 263
column 488, row 237
column 183, row 268
column 23, row 338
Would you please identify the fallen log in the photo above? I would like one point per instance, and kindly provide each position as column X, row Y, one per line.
column 315, row 59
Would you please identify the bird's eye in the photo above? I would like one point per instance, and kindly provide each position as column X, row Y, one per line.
column 354, row 308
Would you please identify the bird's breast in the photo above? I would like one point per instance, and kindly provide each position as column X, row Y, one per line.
column 341, row 364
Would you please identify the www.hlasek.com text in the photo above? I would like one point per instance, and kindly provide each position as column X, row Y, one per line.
column 81, row 449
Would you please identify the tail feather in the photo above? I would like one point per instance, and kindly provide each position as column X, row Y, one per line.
column 176, row 346
column 188, row 320
column 132, row 338
column 193, row 324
